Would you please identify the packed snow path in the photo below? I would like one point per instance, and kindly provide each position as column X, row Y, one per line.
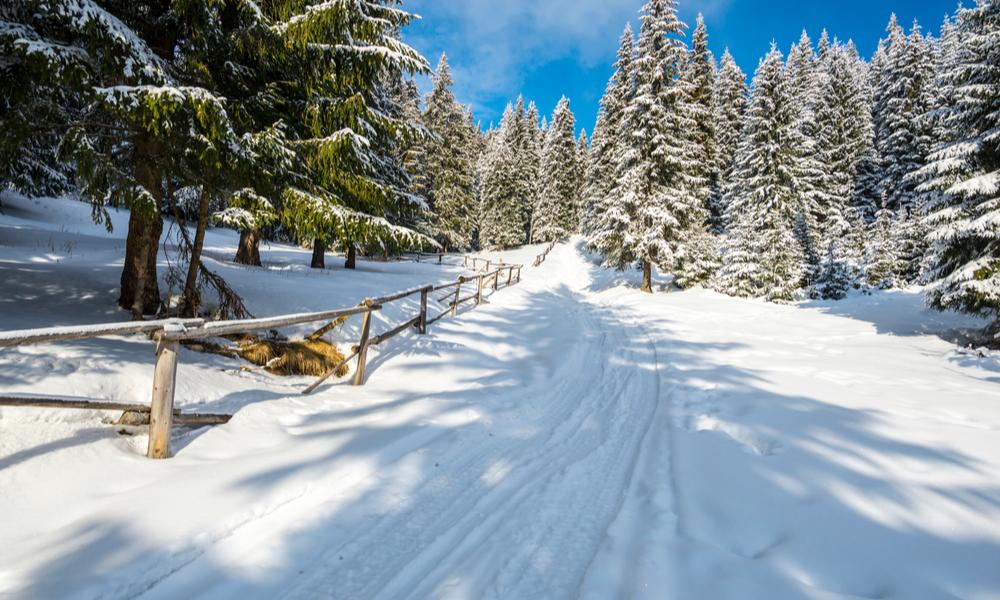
column 574, row 438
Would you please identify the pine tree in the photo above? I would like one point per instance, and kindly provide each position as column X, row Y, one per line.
column 503, row 187
column 604, row 225
column 728, row 107
column 657, row 173
column 449, row 164
column 805, row 79
column 843, row 137
column 835, row 276
column 844, row 127
column 556, row 214
column 116, row 89
column 882, row 255
column 699, row 75
column 902, row 97
column 762, row 256
column 965, row 168
column 532, row 157
column 582, row 177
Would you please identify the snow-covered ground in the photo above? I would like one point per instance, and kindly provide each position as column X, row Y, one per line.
column 573, row 438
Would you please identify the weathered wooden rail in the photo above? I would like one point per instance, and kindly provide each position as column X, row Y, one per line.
column 168, row 335
column 544, row 255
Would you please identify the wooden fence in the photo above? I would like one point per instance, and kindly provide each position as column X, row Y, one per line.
column 170, row 333
column 544, row 255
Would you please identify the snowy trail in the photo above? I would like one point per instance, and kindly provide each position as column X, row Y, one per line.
column 541, row 495
column 574, row 438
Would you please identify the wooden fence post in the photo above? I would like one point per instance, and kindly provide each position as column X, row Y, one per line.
column 366, row 327
column 458, row 290
column 510, row 275
column 440, row 259
column 496, row 280
column 479, row 291
column 422, row 325
column 161, row 416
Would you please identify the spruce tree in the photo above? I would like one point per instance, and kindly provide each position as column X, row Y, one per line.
column 728, row 107
column 532, row 156
column 882, row 253
column 805, row 78
column 449, row 164
column 843, row 122
column 502, row 205
column 582, row 177
column 699, row 75
column 763, row 257
column 118, row 89
column 556, row 214
column 605, row 225
column 902, row 97
column 965, row 168
column 657, row 171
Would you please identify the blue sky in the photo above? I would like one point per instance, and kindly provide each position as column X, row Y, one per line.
column 548, row 48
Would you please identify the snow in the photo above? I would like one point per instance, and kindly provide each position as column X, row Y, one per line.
column 572, row 438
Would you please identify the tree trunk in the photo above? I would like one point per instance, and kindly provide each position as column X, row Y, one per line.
column 319, row 254
column 249, row 251
column 647, row 276
column 192, row 299
column 352, row 257
column 140, row 289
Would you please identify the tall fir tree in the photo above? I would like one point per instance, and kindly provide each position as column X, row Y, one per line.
column 532, row 156
column 805, row 78
column 763, row 257
column 556, row 214
column 503, row 214
column 901, row 135
column 965, row 168
column 699, row 75
column 657, row 175
column 604, row 224
column 449, row 164
column 582, row 177
column 729, row 105
column 843, row 138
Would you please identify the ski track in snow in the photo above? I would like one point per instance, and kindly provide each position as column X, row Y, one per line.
column 532, row 500
column 571, row 438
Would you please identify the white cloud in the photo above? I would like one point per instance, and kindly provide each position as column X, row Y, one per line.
column 493, row 44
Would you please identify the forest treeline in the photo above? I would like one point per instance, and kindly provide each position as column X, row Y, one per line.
column 301, row 121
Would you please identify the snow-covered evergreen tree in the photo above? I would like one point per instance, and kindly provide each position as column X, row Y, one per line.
column 604, row 226
column 556, row 215
column 658, row 180
column 882, row 254
column 843, row 136
column 449, row 164
column 582, row 177
column 699, row 75
column 729, row 104
column 763, row 257
column 532, row 157
column 843, row 121
column 502, row 203
column 965, row 168
column 902, row 98
column 805, row 78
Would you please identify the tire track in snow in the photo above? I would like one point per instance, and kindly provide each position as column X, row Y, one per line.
column 507, row 515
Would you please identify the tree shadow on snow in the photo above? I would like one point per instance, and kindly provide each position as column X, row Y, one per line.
column 756, row 476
